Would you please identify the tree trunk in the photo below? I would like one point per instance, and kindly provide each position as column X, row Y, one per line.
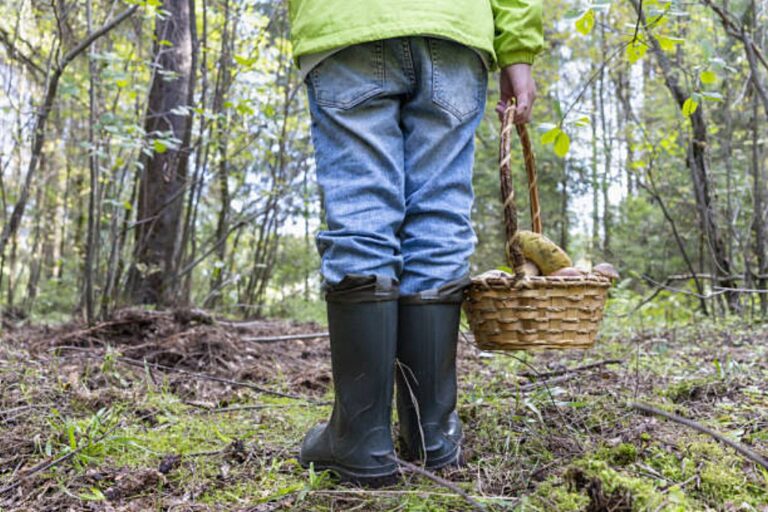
column 593, row 173
column 607, row 138
column 223, row 83
column 92, row 244
column 759, row 185
column 164, row 175
column 698, row 166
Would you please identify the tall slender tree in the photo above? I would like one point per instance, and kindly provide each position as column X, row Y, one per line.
column 163, row 181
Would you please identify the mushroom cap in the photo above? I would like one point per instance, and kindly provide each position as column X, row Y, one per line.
column 567, row 272
column 606, row 269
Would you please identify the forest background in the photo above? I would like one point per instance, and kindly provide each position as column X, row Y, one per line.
column 159, row 153
column 162, row 337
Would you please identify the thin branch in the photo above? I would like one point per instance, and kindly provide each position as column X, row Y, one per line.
column 93, row 36
column 531, row 375
column 290, row 337
column 38, row 133
column 746, row 452
column 15, row 53
column 413, row 468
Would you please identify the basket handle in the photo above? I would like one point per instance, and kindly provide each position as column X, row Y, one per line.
column 514, row 253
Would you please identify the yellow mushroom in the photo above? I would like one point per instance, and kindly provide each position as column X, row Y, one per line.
column 543, row 252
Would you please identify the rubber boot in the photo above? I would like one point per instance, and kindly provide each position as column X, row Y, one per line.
column 428, row 328
column 356, row 442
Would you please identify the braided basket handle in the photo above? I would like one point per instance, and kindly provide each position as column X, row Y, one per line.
column 514, row 253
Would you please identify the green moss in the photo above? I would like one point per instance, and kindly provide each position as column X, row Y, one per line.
column 723, row 477
column 624, row 454
column 554, row 494
column 643, row 493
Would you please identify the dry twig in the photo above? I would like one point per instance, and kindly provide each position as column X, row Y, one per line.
column 746, row 452
column 606, row 362
column 413, row 468
column 290, row 337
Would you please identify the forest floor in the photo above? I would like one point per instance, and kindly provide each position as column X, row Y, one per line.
column 170, row 411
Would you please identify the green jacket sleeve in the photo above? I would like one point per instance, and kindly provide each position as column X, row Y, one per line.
column 519, row 30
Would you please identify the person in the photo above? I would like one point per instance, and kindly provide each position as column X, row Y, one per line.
column 396, row 89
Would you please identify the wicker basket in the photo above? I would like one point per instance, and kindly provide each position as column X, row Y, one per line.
column 521, row 312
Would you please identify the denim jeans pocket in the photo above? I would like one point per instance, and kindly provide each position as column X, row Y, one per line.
column 350, row 76
column 459, row 78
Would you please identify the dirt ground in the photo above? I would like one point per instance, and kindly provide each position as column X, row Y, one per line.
column 181, row 411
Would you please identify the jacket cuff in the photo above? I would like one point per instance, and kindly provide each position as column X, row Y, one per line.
column 515, row 57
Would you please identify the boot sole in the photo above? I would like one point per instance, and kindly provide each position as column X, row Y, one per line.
column 347, row 475
column 454, row 459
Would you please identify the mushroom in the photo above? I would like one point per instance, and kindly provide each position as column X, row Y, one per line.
column 530, row 269
column 606, row 270
column 567, row 272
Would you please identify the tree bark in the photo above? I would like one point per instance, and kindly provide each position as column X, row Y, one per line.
column 164, row 175
column 223, row 83
column 698, row 166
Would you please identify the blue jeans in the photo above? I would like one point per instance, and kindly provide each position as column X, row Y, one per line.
column 393, row 125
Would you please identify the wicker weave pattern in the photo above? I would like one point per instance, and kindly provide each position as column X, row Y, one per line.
column 536, row 313
column 520, row 312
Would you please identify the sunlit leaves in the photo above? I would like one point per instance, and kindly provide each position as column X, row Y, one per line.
column 159, row 146
column 689, row 106
column 586, row 22
column 562, row 144
column 668, row 44
column 636, row 50
column 162, row 142
column 708, row 77
column 550, row 135
column 246, row 61
column 712, row 96
column 146, row 3
column 560, row 141
column 582, row 121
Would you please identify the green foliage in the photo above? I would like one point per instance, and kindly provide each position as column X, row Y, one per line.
column 612, row 137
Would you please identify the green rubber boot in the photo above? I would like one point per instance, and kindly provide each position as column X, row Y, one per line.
column 356, row 443
column 428, row 329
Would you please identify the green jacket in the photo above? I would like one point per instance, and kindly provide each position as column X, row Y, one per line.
column 509, row 30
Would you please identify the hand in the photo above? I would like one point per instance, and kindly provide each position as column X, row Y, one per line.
column 517, row 82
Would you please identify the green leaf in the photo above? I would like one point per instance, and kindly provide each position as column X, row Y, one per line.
column 94, row 495
column 122, row 83
column 244, row 109
column 636, row 51
column 159, row 146
column 712, row 96
column 708, row 77
column 245, row 61
column 586, row 22
column 71, row 435
column 550, row 136
column 562, row 144
column 689, row 107
column 668, row 43
column 582, row 121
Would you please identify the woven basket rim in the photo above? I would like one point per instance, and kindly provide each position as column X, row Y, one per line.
column 541, row 281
